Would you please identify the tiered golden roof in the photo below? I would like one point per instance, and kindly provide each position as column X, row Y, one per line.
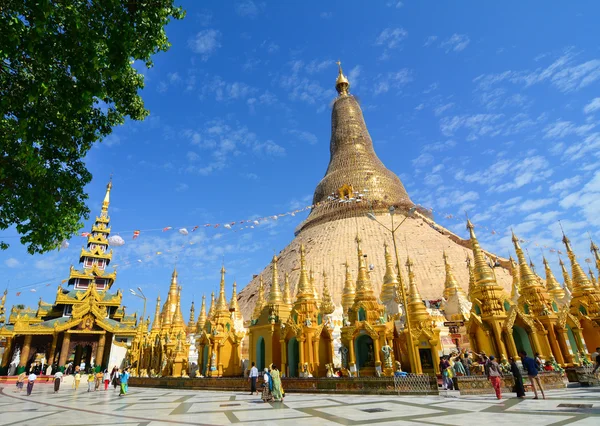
column 585, row 297
column 553, row 287
column 451, row 285
column 416, row 308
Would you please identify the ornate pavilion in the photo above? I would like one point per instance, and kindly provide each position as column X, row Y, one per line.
column 85, row 324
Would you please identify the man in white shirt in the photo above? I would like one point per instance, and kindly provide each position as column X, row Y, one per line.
column 58, row 377
column 30, row 381
column 253, row 377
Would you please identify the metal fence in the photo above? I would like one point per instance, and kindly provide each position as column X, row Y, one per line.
column 413, row 383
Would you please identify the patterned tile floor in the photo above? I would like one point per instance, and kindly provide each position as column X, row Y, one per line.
column 154, row 407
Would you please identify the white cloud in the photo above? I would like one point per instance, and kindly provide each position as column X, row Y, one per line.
column 456, row 43
column 182, row 187
column 440, row 146
column 587, row 199
column 192, row 156
column 395, row 3
column 422, row 160
column 430, row 40
column 226, row 91
column 305, row 136
column 565, row 183
column 528, row 170
column 391, row 37
column 270, row 148
column 111, row 140
column 439, row 110
column 393, row 80
column 477, row 124
column 589, row 146
column 11, row 262
column 315, row 66
column 593, row 106
column 205, row 43
column 247, row 8
column 353, row 75
column 325, row 15
column 560, row 129
column 529, row 205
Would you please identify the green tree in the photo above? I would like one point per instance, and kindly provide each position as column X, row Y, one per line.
column 67, row 77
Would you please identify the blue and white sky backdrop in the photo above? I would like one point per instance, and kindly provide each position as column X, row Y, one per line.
column 488, row 107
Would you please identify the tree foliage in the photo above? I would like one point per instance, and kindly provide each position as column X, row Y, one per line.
column 67, row 77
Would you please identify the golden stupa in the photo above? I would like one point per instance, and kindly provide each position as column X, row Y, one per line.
column 357, row 182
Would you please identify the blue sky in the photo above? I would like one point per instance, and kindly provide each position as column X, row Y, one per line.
column 488, row 107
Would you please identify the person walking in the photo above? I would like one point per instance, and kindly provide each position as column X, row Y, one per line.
column 30, row 381
column 253, row 377
column 276, row 378
column 445, row 370
column 98, row 376
column 21, row 380
column 494, row 375
column 596, row 360
column 77, row 380
column 106, row 378
column 267, row 395
column 532, row 372
column 516, row 372
column 90, row 380
column 115, row 378
column 124, row 378
column 467, row 362
column 58, row 377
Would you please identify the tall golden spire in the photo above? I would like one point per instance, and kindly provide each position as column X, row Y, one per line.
column 416, row 308
column 212, row 309
column 156, row 325
column 364, row 289
column 275, row 296
column 349, row 290
column 554, row 288
column 287, row 294
column 327, row 306
column 532, row 291
column 170, row 305
column 596, row 252
column 566, row 276
column 581, row 281
column 222, row 301
column 472, row 284
column 177, row 316
column 106, row 201
column 313, row 287
column 451, row 286
column 390, row 278
column 593, row 278
column 342, row 85
column 233, row 305
column 202, row 317
column 191, row 326
column 483, row 273
column 260, row 300
column 516, row 282
column 413, row 291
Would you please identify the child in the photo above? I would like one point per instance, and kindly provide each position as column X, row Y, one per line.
column 77, row 380
column 91, row 379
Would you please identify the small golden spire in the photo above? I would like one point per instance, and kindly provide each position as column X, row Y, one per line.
column 342, row 85
column 565, row 274
column 581, row 282
column 349, row 290
column 472, row 284
column 192, row 321
column 222, row 301
column 554, row 288
column 212, row 309
column 483, row 273
column 156, row 324
column 313, row 287
column 106, row 201
column 451, row 286
column 303, row 288
column 593, row 278
column 177, row 316
column 516, row 282
column 596, row 252
column 413, row 292
column 233, row 305
column 287, row 295
column 390, row 278
column 275, row 296
column 202, row 317
column 260, row 301
column 364, row 289
column 327, row 306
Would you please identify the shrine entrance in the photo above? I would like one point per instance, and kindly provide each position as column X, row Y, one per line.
column 521, row 340
column 260, row 354
column 293, row 351
column 365, row 353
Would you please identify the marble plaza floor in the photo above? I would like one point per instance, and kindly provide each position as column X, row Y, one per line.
column 154, row 407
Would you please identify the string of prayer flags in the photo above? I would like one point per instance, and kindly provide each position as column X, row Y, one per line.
column 168, row 228
column 136, row 234
column 85, row 234
column 183, row 231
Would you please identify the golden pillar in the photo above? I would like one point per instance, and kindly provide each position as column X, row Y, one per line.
column 352, row 360
column 100, row 351
column 561, row 336
column 301, row 352
column 25, row 351
column 7, row 352
column 377, row 354
column 554, row 346
column 512, row 347
column 284, row 366
column 316, row 360
column 64, row 350
column 52, row 349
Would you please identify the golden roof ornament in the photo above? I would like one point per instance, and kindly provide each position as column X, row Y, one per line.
column 191, row 326
column 471, row 289
column 342, row 85
column 349, row 293
column 451, row 286
column 313, row 287
column 592, row 277
column 106, row 202
column 483, row 273
column 303, row 288
column 178, row 321
column 566, row 277
column 327, row 306
column 596, row 252
column 260, row 300
column 554, row 288
column 202, row 316
column 580, row 282
column 212, row 308
column 390, row 278
column 156, row 325
column 364, row 289
column 416, row 308
column 275, row 296
column 287, row 295
column 222, row 307
column 233, row 305
column 516, row 282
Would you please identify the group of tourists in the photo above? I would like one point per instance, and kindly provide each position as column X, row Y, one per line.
column 272, row 390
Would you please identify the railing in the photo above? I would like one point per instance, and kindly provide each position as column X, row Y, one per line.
column 413, row 383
